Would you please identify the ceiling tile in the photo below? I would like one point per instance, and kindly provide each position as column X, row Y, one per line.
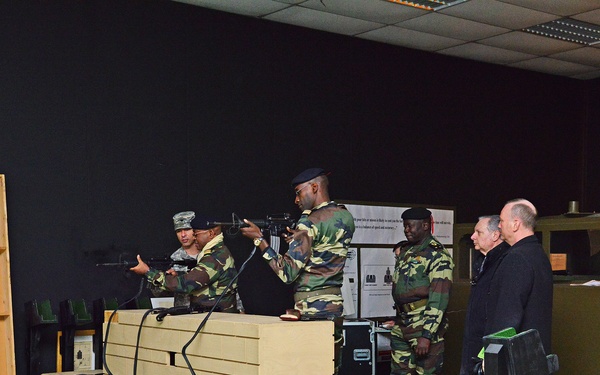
column 585, row 55
column 254, row 8
column 529, row 43
column 553, row 66
column 560, row 7
column 290, row 1
column 482, row 30
column 313, row 19
column 410, row 38
column 485, row 53
column 452, row 27
column 591, row 17
column 375, row 11
column 497, row 13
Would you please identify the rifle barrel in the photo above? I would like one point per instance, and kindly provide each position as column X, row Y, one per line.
column 123, row 264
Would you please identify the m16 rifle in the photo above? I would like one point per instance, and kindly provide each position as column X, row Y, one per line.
column 164, row 263
column 276, row 224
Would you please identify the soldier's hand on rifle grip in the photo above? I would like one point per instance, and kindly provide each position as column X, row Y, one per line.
column 252, row 231
column 141, row 268
column 171, row 272
column 289, row 237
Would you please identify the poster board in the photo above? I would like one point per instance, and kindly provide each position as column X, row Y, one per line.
column 84, row 356
column 351, row 284
column 370, row 263
column 377, row 269
column 381, row 224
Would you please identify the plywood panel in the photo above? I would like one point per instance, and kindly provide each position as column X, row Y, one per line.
column 236, row 344
column 7, row 346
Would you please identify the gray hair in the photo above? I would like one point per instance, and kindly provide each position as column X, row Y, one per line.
column 493, row 224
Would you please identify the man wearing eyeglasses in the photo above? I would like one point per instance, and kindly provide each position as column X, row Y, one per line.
column 317, row 251
column 206, row 282
column 488, row 241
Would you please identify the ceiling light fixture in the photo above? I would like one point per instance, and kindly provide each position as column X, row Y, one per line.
column 428, row 4
column 569, row 30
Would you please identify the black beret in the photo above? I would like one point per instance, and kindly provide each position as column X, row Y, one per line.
column 416, row 213
column 308, row 175
column 203, row 223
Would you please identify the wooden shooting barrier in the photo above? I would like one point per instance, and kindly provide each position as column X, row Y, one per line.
column 236, row 344
column 7, row 345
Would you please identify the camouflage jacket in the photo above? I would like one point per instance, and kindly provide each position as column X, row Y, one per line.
column 182, row 299
column 181, row 254
column 424, row 271
column 317, row 255
column 205, row 282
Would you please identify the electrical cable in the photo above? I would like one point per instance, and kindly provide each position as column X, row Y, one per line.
column 142, row 283
column 211, row 311
column 137, row 343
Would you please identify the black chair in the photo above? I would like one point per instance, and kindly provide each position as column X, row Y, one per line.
column 39, row 318
column 73, row 316
column 99, row 306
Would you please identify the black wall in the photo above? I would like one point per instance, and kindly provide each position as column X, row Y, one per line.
column 115, row 115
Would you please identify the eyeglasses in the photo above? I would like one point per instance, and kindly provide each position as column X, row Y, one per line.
column 297, row 192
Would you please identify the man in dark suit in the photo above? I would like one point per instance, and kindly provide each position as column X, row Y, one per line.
column 487, row 240
column 522, row 288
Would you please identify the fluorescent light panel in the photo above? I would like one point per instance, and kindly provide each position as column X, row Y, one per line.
column 569, row 30
column 427, row 4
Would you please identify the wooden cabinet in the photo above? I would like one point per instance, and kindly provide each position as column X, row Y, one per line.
column 576, row 238
column 7, row 347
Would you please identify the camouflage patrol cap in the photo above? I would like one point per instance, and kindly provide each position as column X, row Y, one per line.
column 416, row 213
column 308, row 175
column 182, row 220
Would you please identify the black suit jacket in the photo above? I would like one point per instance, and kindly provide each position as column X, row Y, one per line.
column 477, row 309
column 521, row 291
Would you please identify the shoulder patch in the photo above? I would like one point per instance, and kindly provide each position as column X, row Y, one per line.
column 436, row 245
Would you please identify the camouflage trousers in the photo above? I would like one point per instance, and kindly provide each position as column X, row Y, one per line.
column 404, row 360
column 328, row 307
column 321, row 306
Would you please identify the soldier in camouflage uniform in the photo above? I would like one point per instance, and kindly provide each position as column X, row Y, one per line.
column 317, row 251
column 208, row 280
column 188, row 250
column 421, row 289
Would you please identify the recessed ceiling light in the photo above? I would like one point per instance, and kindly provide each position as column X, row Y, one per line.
column 569, row 30
column 428, row 4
